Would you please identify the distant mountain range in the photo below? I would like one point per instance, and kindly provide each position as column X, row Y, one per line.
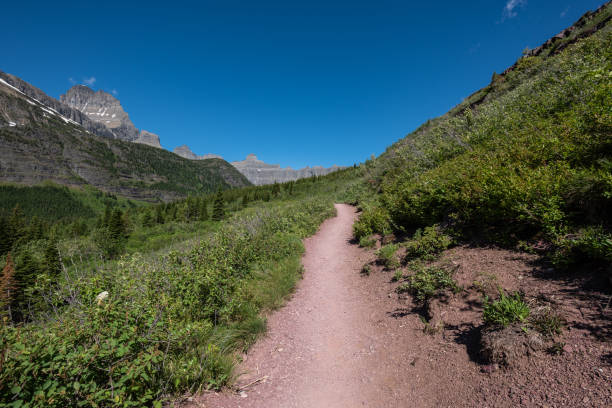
column 260, row 173
column 98, row 113
column 43, row 139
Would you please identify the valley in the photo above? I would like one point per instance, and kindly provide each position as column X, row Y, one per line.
column 469, row 264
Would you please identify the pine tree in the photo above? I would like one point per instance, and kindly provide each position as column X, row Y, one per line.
column 26, row 271
column 147, row 220
column 5, row 236
column 7, row 285
column 159, row 216
column 204, row 216
column 116, row 227
column 218, row 207
column 17, row 224
column 107, row 216
column 52, row 263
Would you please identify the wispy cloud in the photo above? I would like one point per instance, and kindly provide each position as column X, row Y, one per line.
column 72, row 81
column 510, row 10
column 114, row 92
column 564, row 12
column 89, row 81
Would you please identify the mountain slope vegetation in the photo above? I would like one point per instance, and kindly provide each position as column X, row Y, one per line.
column 530, row 161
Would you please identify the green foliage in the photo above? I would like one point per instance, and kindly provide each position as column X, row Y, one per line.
column 367, row 242
column 218, row 207
column 427, row 243
column 52, row 264
column 170, row 322
column 366, row 270
column 386, row 256
column 591, row 244
column 428, row 281
column 371, row 221
column 505, row 310
column 532, row 159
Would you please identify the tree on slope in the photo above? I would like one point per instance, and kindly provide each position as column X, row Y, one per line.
column 218, row 207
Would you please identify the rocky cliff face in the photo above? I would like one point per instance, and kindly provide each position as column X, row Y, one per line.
column 258, row 172
column 103, row 108
column 185, row 151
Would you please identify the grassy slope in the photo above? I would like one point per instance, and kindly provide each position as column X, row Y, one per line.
column 531, row 160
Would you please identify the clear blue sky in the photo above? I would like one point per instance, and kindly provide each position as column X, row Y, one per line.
column 295, row 82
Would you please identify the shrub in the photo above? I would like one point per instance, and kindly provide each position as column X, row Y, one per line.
column 428, row 243
column 371, row 221
column 428, row 282
column 386, row 256
column 505, row 310
column 367, row 242
column 591, row 244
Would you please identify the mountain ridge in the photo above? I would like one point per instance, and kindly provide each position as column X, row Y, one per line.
column 44, row 139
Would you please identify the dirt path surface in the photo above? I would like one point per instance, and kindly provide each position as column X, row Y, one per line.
column 330, row 345
column 348, row 340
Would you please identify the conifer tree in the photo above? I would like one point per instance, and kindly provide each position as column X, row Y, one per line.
column 159, row 216
column 204, row 216
column 7, row 286
column 107, row 216
column 218, row 207
column 17, row 224
column 52, row 263
column 116, row 227
column 26, row 271
column 5, row 236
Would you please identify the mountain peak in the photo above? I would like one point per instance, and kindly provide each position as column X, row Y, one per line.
column 102, row 107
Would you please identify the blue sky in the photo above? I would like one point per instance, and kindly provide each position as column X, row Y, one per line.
column 296, row 82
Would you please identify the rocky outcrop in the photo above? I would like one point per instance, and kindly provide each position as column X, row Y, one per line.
column 148, row 138
column 259, row 172
column 185, row 151
column 103, row 108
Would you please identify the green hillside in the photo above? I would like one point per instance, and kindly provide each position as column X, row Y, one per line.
column 527, row 158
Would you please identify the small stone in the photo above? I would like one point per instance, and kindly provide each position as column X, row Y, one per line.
column 567, row 348
column 243, row 394
column 280, row 349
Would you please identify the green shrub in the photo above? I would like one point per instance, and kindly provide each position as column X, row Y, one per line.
column 505, row 310
column 592, row 244
column 427, row 282
column 386, row 256
column 367, row 242
column 426, row 244
column 372, row 220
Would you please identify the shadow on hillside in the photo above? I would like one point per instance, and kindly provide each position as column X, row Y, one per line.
column 468, row 334
column 588, row 290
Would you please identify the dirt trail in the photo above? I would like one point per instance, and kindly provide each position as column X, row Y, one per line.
column 333, row 344
column 347, row 340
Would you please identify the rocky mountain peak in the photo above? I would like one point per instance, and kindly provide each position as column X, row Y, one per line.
column 102, row 107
